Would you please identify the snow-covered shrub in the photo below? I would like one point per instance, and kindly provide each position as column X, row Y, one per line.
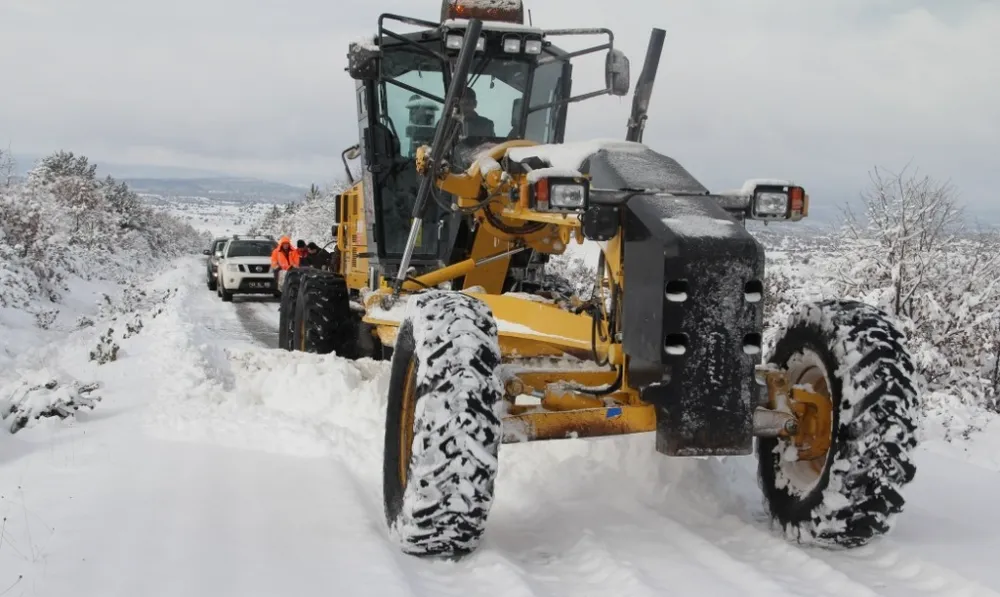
column 913, row 256
column 64, row 221
column 106, row 350
column 27, row 400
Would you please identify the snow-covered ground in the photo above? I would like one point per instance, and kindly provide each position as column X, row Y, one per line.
column 220, row 218
column 215, row 464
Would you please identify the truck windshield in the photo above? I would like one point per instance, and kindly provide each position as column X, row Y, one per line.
column 250, row 248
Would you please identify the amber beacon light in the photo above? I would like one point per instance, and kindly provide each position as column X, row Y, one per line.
column 508, row 11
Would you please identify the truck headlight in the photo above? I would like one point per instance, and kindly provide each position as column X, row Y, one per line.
column 232, row 267
column 561, row 194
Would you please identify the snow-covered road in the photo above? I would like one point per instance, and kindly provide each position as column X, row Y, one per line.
column 219, row 465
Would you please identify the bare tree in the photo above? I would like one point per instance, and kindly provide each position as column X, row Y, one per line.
column 8, row 168
column 910, row 217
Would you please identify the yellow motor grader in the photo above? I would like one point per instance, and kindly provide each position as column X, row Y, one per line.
column 444, row 244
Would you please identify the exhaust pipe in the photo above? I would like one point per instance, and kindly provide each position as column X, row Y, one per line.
column 644, row 87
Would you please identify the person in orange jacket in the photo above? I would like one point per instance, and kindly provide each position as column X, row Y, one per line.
column 283, row 258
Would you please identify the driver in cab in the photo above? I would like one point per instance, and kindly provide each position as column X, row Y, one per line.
column 476, row 125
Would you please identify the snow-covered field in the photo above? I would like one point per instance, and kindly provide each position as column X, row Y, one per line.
column 220, row 218
column 215, row 464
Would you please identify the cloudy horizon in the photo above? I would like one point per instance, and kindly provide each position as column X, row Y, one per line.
column 819, row 94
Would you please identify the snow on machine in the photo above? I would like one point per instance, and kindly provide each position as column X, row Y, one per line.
column 445, row 243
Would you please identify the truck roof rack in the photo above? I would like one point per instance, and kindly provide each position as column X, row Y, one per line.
column 253, row 237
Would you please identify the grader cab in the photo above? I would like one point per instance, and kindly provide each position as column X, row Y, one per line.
column 468, row 189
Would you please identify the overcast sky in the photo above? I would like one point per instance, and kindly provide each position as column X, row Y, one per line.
column 818, row 90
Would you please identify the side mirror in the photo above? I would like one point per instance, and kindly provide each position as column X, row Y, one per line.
column 353, row 153
column 362, row 60
column 617, row 74
column 515, row 112
column 206, row 252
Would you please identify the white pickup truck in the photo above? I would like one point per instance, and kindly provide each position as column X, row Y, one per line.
column 245, row 267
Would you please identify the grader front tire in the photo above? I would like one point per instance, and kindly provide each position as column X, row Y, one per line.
column 443, row 429
column 850, row 492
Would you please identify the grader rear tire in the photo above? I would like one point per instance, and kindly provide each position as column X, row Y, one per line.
column 443, row 431
column 324, row 322
column 850, row 493
column 286, row 309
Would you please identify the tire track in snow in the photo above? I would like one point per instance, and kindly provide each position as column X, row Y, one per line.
column 880, row 568
column 592, row 538
column 744, row 576
column 773, row 556
column 260, row 319
column 887, row 565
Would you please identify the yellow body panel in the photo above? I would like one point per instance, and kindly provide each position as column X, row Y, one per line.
column 352, row 237
column 590, row 422
column 525, row 321
column 489, row 276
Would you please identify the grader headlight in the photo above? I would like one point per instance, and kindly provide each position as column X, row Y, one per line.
column 568, row 196
column 770, row 205
column 561, row 194
column 454, row 42
column 512, row 44
column 778, row 202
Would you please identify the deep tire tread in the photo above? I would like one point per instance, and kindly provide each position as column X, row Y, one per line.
column 442, row 511
column 324, row 306
column 287, row 308
column 874, row 386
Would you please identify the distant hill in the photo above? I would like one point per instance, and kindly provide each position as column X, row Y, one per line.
column 176, row 182
column 25, row 162
column 222, row 189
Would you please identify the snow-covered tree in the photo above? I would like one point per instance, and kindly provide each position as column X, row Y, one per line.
column 309, row 219
column 907, row 220
column 65, row 221
column 8, row 168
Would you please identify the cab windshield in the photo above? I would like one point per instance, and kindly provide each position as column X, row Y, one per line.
column 244, row 248
column 492, row 106
column 410, row 104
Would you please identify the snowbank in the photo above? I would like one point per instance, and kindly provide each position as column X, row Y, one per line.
column 74, row 250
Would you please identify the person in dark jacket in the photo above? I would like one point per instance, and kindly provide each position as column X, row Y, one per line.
column 300, row 246
column 319, row 258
